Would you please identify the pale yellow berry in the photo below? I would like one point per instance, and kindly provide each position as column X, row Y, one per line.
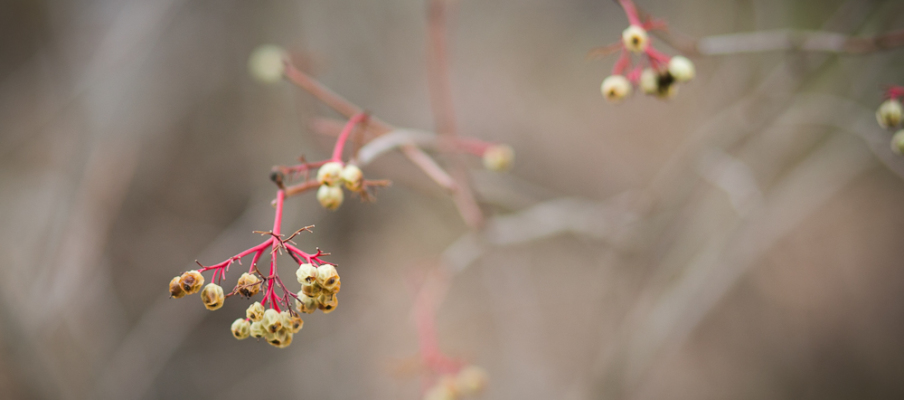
column 305, row 304
column 175, row 288
column 656, row 84
column 296, row 323
column 312, row 290
column 191, row 281
column 255, row 312
column 330, row 197
column 635, row 39
column 212, row 296
column 306, row 274
column 649, row 81
column 444, row 389
column 498, row 157
column 327, row 277
column 257, row 329
column 267, row 63
column 272, row 321
column 329, row 173
column 889, row 113
column 897, row 142
column 249, row 284
column 681, row 68
column 471, row 380
column 335, row 288
column 285, row 319
column 280, row 339
column 615, row 88
column 352, row 177
column 241, row 329
column 327, row 302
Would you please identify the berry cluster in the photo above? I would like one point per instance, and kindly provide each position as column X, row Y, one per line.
column 889, row 116
column 656, row 73
column 276, row 327
column 333, row 174
column 319, row 288
column 468, row 381
column 273, row 318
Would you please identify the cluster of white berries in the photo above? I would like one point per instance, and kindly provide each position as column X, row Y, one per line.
column 659, row 81
column 661, row 84
column 319, row 288
column 332, row 176
column 276, row 327
column 889, row 116
column 469, row 381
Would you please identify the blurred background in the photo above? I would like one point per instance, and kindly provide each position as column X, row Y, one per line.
column 739, row 241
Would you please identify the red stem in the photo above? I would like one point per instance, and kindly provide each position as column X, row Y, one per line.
column 359, row 118
column 657, row 56
column 631, row 12
column 624, row 60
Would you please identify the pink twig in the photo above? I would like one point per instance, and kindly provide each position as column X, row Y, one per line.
column 624, row 61
column 631, row 12
column 360, row 118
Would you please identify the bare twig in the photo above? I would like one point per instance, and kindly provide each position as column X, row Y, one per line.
column 345, row 107
column 779, row 40
column 439, row 82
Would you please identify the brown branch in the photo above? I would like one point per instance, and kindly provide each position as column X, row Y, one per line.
column 302, row 187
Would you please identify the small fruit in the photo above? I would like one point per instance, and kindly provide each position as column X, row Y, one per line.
column 267, row 63
column 352, row 177
column 471, row 380
column 681, row 68
column 329, row 173
column 241, row 329
column 327, row 276
column 889, row 113
column 212, row 296
column 257, row 329
column 305, row 304
column 191, row 281
column 498, row 157
column 255, row 312
column 897, row 142
column 175, row 288
column 615, row 88
column 272, row 322
column 306, row 274
column 249, row 284
column 635, row 39
column 330, row 197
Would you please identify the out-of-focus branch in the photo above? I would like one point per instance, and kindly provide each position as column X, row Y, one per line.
column 346, row 108
column 596, row 220
column 786, row 40
column 778, row 40
column 439, row 84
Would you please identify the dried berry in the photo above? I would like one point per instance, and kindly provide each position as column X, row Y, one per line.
column 212, row 296
column 241, row 329
column 191, row 281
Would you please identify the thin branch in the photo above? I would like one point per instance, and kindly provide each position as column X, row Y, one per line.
column 439, row 85
column 778, row 40
column 345, row 107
